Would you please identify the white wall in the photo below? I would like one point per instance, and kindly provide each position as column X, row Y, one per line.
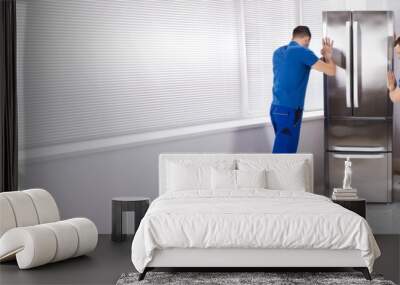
column 84, row 185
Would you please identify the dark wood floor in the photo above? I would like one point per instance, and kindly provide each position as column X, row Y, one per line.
column 103, row 266
column 110, row 260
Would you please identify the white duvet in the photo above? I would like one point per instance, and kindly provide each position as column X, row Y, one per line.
column 250, row 218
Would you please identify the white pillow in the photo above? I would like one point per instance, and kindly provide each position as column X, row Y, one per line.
column 188, row 177
column 282, row 174
column 236, row 179
column 223, row 179
column 251, row 178
column 293, row 178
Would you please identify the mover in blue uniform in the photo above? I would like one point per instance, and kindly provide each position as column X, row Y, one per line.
column 291, row 66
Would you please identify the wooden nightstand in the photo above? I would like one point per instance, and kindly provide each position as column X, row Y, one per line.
column 358, row 206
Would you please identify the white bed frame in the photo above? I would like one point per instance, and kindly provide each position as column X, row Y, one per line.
column 250, row 257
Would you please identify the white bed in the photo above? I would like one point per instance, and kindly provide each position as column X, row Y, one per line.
column 250, row 227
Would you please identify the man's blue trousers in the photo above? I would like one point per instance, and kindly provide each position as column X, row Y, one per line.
column 286, row 122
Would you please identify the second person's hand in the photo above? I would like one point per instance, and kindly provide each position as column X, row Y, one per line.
column 391, row 81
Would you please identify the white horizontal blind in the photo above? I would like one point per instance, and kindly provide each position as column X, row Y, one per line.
column 312, row 17
column 99, row 68
column 268, row 25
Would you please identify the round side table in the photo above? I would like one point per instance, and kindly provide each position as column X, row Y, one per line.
column 139, row 205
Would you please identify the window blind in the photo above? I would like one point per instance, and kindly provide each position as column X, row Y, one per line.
column 268, row 25
column 100, row 68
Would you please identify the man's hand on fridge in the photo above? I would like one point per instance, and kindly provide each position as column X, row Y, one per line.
column 327, row 64
column 327, row 49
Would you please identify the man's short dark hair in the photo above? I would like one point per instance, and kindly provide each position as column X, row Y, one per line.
column 396, row 42
column 301, row 32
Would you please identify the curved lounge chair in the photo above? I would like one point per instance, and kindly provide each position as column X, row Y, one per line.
column 31, row 231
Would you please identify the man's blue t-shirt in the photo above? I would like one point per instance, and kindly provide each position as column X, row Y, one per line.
column 291, row 66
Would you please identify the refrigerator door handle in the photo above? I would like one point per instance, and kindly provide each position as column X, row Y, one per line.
column 348, row 65
column 354, row 148
column 355, row 63
column 359, row 156
column 390, row 46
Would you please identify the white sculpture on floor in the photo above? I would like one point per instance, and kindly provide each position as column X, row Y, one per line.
column 347, row 174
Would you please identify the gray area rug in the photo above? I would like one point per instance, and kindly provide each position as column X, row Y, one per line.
column 229, row 278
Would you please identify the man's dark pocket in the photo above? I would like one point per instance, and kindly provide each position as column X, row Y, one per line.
column 297, row 116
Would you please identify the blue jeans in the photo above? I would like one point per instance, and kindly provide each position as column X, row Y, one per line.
column 286, row 122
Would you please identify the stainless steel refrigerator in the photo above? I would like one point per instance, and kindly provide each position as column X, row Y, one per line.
column 358, row 110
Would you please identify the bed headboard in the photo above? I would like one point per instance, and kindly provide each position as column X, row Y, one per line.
column 165, row 157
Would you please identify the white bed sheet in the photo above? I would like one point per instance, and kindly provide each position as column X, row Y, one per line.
column 250, row 218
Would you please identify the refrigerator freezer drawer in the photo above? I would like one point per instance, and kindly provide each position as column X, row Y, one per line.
column 358, row 135
column 371, row 174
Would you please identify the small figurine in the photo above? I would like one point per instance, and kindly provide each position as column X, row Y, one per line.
column 347, row 174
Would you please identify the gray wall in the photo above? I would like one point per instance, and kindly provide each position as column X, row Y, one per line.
column 84, row 185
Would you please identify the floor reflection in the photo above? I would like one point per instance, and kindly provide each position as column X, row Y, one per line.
column 388, row 263
column 384, row 220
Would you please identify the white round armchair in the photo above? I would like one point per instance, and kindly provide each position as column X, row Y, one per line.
column 31, row 230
